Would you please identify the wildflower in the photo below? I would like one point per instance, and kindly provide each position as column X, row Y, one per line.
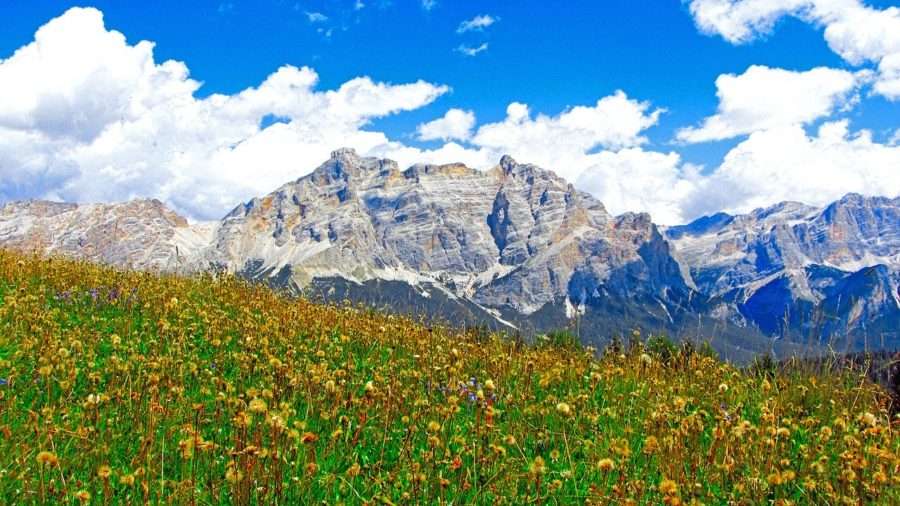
column 606, row 465
column 233, row 476
column 564, row 408
column 489, row 385
column 2, row 381
column 83, row 496
column 369, row 388
column 538, row 467
column 104, row 472
column 127, row 479
column 868, row 419
column 668, row 487
column 257, row 406
column 651, row 445
column 645, row 359
column 723, row 387
column 46, row 457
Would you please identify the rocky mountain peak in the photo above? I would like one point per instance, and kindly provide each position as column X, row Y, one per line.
column 347, row 154
column 507, row 163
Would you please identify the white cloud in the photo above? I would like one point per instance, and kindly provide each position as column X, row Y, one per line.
column 634, row 179
column 429, row 4
column 471, row 51
column 614, row 122
column 80, row 106
column 86, row 117
column 764, row 97
column 456, row 124
column 477, row 23
column 316, row 17
column 895, row 139
column 859, row 34
column 786, row 163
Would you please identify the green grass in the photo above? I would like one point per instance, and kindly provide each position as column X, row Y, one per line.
column 213, row 391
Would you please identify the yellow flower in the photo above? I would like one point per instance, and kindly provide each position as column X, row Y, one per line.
column 651, row 444
column 46, row 457
column 83, row 496
column 606, row 465
column 257, row 406
column 538, row 467
column 233, row 476
column 668, row 487
column 104, row 472
column 564, row 408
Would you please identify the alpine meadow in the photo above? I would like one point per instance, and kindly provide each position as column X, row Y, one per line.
column 430, row 252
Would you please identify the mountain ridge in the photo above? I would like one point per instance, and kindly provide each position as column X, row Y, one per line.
column 516, row 241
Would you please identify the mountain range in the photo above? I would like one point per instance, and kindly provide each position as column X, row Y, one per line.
column 521, row 249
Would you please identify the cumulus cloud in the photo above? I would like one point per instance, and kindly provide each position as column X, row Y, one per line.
column 466, row 50
column 764, row 97
column 85, row 116
column 614, row 122
column 477, row 23
column 858, row 33
column 786, row 163
column 455, row 124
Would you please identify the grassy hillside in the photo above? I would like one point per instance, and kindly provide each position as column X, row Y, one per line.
column 119, row 387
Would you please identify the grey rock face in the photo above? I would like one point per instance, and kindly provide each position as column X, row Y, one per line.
column 142, row 234
column 515, row 235
column 787, row 266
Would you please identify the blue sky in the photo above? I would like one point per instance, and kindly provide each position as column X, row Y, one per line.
column 550, row 56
